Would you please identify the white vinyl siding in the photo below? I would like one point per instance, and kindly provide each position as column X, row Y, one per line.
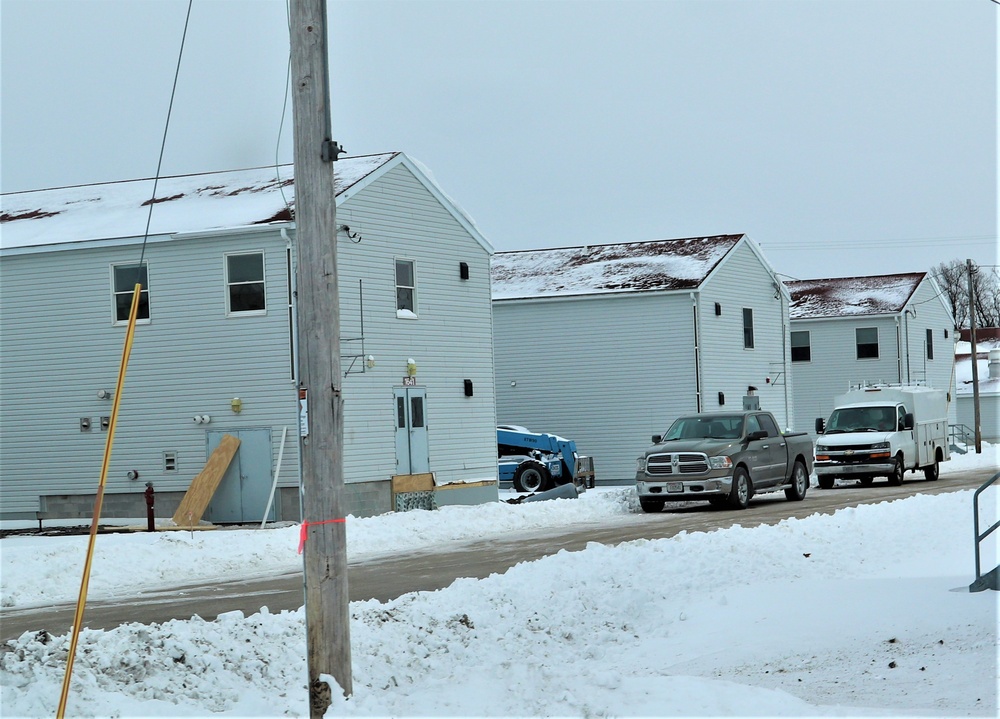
column 193, row 360
column 744, row 281
column 625, row 365
column 622, row 369
column 835, row 366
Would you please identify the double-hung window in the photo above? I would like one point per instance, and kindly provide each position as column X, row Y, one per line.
column 123, row 281
column 801, row 350
column 406, row 289
column 930, row 344
column 245, row 284
column 747, row 328
column 867, row 342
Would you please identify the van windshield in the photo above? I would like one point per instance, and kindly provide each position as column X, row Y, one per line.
column 862, row 419
column 715, row 427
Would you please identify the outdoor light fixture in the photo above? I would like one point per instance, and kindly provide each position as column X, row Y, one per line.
column 370, row 361
column 202, row 419
column 411, row 367
column 236, row 404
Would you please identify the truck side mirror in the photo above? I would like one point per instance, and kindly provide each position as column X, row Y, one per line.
column 657, row 438
column 820, row 425
column 908, row 420
column 758, row 434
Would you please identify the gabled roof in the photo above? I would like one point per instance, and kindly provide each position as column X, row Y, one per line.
column 185, row 203
column 604, row 269
column 852, row 296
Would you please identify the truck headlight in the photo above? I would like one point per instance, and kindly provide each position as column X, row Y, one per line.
column 880, row 445
column 720, row 462
column 640, row 464
column 822, row 448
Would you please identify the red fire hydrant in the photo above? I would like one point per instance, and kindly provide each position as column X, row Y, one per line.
column 150, row 523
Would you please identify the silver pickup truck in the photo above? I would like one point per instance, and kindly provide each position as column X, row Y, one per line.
column 725, row 458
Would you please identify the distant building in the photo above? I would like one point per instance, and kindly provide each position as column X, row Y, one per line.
column 988, row 369
column 847, row 331
column 215, row 349
column 607, row 344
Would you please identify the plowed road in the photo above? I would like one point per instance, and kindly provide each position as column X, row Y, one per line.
column 387, row 578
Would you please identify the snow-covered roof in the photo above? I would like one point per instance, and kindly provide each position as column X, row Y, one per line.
column 963, row 376
column 184, row 203
column 849, row 296
column 604, row 269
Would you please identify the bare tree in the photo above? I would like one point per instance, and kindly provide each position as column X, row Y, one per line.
column 953, row 279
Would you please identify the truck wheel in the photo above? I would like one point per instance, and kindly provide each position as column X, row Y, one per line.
column 931, row 471
column 739, row 495
column 531, row 476
column 800, row 483
column 826, row 482
column 896, row 478
column 651, row 505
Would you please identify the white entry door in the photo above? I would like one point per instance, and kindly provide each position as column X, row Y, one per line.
column 411, row 430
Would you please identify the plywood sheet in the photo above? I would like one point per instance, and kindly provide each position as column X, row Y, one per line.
column 412, row 482
column 203, row 486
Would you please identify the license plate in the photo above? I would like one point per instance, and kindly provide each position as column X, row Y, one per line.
column 675, row 487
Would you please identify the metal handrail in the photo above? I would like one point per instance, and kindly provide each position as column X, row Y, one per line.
column 988, row 532
column 961, row 430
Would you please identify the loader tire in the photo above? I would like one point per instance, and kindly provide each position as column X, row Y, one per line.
column 531, row 476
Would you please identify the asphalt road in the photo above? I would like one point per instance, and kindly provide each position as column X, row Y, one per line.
column 387, row 578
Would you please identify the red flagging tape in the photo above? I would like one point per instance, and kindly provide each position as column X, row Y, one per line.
column 305, row 528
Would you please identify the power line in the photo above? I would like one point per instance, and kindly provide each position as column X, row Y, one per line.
column 163, row 144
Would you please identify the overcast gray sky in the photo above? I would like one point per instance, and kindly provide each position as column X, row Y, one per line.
column 847, row 137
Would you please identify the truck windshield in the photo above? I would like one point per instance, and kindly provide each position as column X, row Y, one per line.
column 715, row 427
column 862, row 419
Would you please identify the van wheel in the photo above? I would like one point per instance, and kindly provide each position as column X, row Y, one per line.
column 931, row 471
column 531, row 476
column 826, row 482
column 800, row 483
column 651, row 505
column 896, row 478
column 739, row 495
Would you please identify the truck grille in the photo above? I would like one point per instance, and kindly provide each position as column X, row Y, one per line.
column 677, row 463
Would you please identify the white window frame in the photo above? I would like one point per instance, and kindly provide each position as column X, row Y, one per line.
column 115, row 292
column 857, row 345
column 807, row 345
column 405, row 314
column 263, row 270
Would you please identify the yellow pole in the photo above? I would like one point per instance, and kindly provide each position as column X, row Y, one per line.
column 99, row 500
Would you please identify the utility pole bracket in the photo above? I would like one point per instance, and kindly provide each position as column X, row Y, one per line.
column 331, row 151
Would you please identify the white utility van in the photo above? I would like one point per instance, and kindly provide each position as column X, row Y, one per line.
column 882, row 431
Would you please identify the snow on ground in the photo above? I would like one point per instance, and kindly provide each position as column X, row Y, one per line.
column 860, row 613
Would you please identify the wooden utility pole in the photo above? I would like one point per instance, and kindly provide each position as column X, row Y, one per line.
column 323, row 528
column 975, row 360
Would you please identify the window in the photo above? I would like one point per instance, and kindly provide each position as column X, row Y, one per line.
column 245, row 284
column 767, row 424
column 123, row 281
column 867, row 342
column 747, row 328
column 801, row 351
column 406, row 289
column 930, row 344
